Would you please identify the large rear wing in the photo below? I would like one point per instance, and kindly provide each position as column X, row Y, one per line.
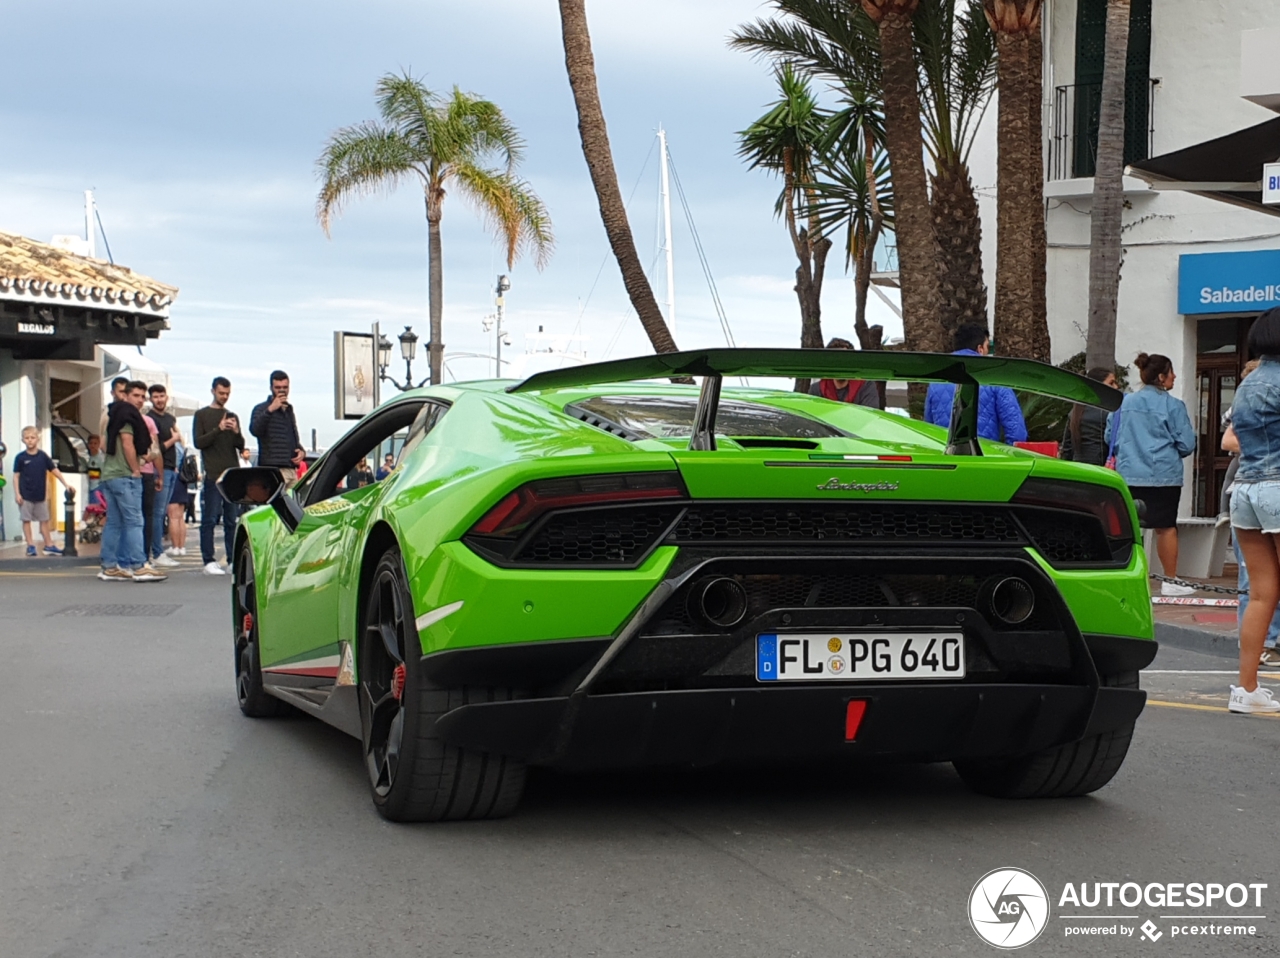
column 966, row 372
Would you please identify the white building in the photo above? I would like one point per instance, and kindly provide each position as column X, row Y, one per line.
column 68, row 324
column 1198, row 70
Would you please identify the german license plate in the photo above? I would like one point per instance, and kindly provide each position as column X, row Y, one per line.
column 859, row 656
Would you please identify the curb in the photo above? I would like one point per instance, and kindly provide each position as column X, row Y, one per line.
column 1224, row 644
column 40, row 564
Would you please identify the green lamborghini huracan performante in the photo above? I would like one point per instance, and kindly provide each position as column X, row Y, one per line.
column 599, row 568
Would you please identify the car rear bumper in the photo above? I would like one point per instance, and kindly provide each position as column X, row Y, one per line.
column 922, row 722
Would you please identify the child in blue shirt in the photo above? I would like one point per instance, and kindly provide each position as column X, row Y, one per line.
column 30, row 468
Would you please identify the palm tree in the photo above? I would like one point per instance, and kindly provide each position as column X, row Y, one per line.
column 580, row 65
column 955, row 54
column 918, row 251
column 445, row 142
column 854, row 193
column 1021, row 326
column 787, row 141
column 1108, row 193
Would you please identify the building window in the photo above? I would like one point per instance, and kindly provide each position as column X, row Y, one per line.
column 1091, row 25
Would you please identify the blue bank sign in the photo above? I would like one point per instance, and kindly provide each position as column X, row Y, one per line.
column 1228, row 282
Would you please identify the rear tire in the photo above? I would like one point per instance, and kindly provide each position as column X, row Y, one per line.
column 1062, row 772
column 254, row 700
column 413, row 775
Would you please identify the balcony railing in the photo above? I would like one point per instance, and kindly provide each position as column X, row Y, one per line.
column 1073, row 132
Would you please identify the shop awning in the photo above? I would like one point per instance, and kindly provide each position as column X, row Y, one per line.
column 1227, row 169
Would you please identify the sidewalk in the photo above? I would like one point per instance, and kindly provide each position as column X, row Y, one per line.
column 1209, row 629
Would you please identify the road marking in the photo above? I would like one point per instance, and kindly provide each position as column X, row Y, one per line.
column 48, row 575
column 1208, row 708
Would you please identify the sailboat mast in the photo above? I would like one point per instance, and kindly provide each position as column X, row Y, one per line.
column 666, row 223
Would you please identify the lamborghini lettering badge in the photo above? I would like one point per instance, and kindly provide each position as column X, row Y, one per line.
column 835, row 485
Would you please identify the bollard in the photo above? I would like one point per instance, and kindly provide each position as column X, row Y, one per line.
column 69, row 521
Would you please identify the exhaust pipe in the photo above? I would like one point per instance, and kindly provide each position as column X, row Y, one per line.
column 721, row 601
column 1012, row 600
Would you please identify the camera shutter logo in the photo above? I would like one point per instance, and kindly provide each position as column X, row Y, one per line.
column 1009, row 908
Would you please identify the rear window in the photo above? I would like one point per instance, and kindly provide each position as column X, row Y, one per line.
column 671, row 417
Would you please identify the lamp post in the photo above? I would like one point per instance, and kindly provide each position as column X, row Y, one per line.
column 504, row 284
column 408, row 349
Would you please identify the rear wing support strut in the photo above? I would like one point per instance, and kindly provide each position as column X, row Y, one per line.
column 962, row 436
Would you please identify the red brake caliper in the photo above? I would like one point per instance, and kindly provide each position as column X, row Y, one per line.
column 246, row 627
column 397, row 681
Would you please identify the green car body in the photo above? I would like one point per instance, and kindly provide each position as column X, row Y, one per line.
column 565, row 633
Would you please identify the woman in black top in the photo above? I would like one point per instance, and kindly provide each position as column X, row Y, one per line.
column 1084, row 438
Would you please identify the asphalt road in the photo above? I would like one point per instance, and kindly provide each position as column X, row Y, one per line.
column 142, row 816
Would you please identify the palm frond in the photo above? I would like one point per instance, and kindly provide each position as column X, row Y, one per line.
column 829, row 38
column 360, row 160
column 509, row 208
column 480, row 129
column 785, row 140
column 408, row 106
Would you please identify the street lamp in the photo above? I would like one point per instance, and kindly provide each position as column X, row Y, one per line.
column 504, row 284
column 408, row 349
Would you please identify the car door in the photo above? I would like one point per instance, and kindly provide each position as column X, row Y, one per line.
column 301, row 613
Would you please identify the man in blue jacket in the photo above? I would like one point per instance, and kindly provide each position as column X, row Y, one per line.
column 999, row 415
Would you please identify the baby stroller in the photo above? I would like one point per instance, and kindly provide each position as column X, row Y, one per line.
column 95, row 516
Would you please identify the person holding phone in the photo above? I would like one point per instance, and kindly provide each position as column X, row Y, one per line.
column 276, row 427
column 219, row 439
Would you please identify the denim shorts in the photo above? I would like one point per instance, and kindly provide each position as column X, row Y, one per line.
column 1256, row 505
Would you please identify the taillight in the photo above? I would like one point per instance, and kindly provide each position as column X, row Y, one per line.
column 513, row 514
column 1103, row 502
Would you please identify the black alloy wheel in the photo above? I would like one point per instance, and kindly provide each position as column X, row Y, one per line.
column 254, row 700
column 414, row 776
column 382, row 679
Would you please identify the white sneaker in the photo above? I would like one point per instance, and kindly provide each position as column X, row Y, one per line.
column 164, row 562
column 182, row 551
column 1169, row 588
column 173, row 551
column 213, row 568
column 1259, row 700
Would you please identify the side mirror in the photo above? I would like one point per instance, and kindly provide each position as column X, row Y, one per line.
column 254, row 486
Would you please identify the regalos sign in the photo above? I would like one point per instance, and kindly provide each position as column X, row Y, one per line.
column 1247, row 282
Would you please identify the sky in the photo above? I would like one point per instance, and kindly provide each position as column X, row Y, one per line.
column 198, row 128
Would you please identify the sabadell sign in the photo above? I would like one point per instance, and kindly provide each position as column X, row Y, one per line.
column 1247, row 282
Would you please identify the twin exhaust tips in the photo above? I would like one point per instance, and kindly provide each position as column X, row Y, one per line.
column 722, row 601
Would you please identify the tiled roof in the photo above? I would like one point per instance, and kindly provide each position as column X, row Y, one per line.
column 31, row 270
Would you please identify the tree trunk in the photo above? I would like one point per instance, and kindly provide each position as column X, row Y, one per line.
column 435, row 283
column 917, row 245
column 1021, row 324
column 595, row 147
column 958, row 227
column 1108, row 194
column 862, row 268
column 809, row 276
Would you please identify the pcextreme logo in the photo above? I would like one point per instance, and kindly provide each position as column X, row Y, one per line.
column 1009, row 908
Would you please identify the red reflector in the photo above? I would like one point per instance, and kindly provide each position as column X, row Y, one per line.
column 514, row 512
column 498, row 513
column 853, row 718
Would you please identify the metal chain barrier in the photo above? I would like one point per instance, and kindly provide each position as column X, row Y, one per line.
column 1201, row 586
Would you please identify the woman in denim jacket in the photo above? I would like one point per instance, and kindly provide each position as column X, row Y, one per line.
column 1255, row 506
column 1155, row 435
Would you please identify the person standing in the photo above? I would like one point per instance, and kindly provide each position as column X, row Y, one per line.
column 1084, row 437
column 860, row 392
column 999, row 415
column 31, row 467
column 1270, row 658
column 123, row 553
column 1153, row 436
column 388, row 466
column 1255, row 506
column 276, row 428
column 93, row 462
column 178, row 502
column 168, row 436
column 218, row 437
